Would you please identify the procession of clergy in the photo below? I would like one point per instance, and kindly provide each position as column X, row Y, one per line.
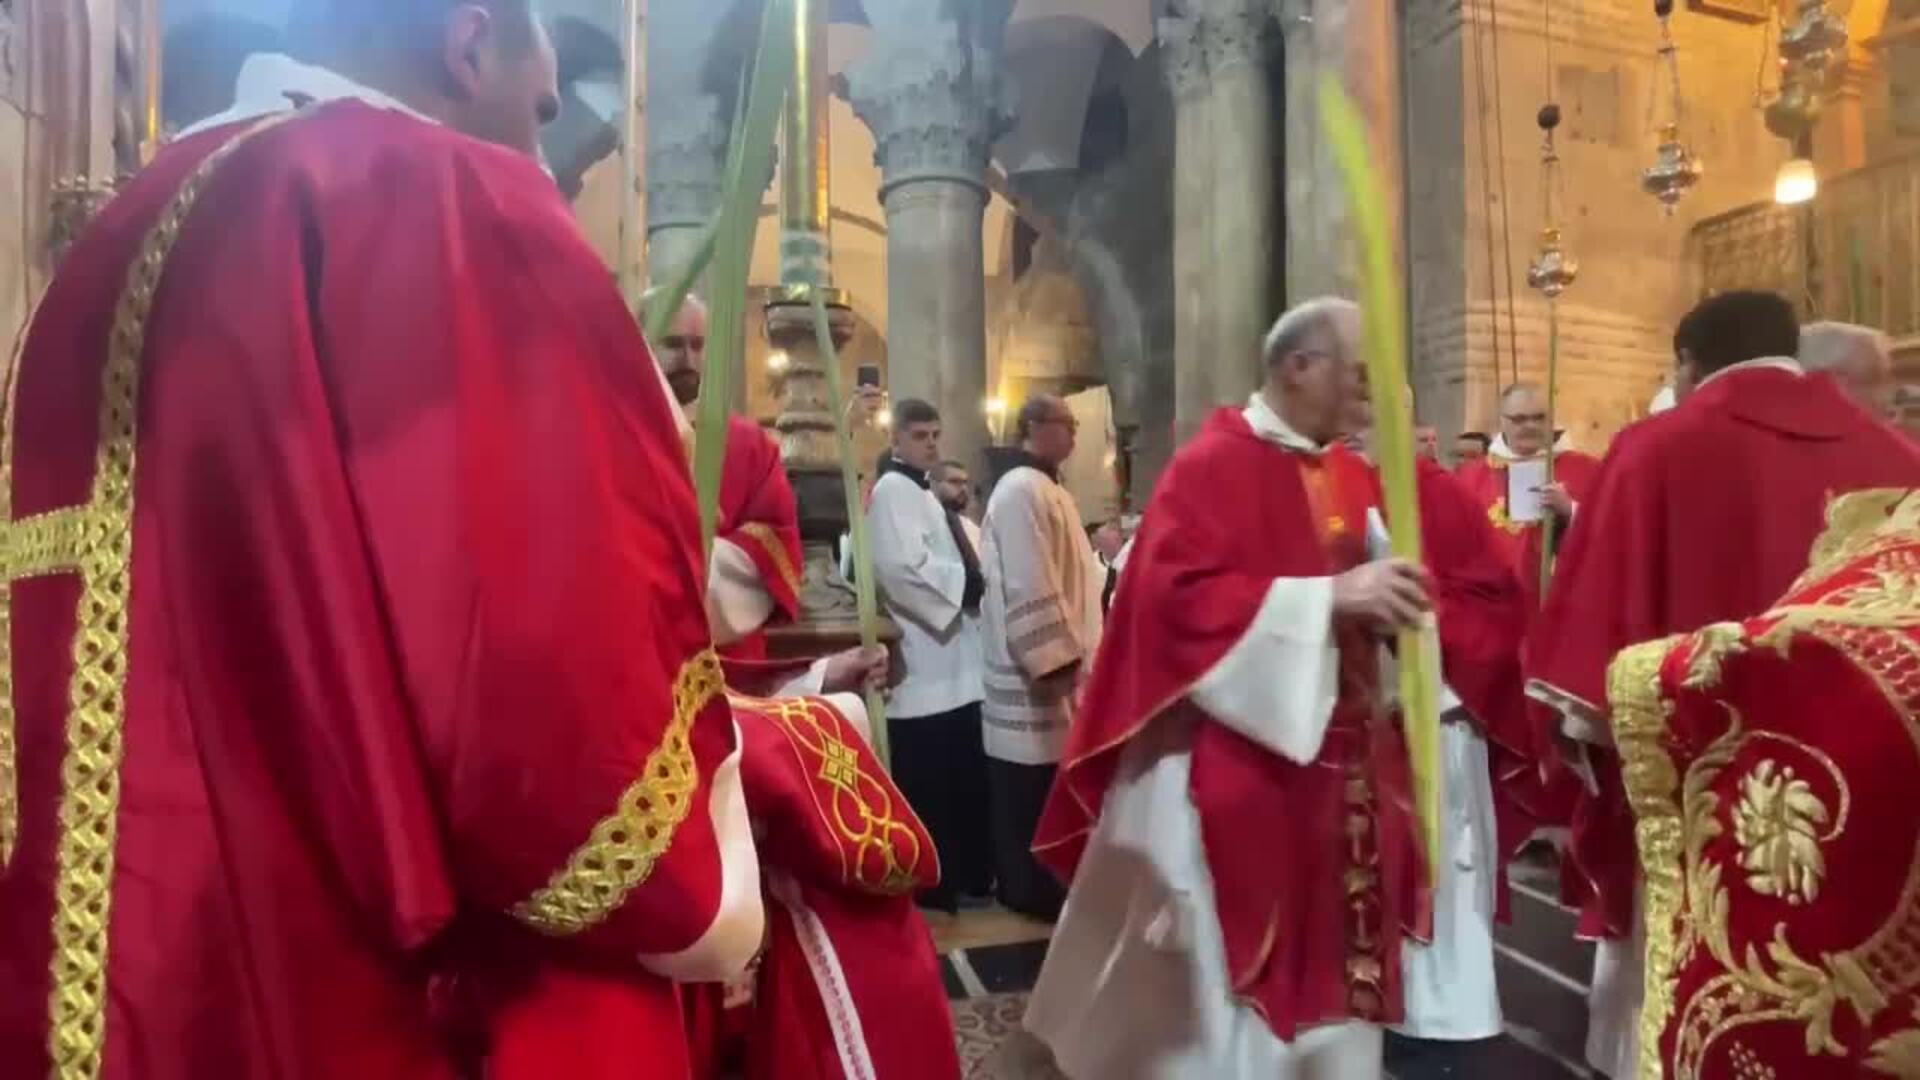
column 371, row 710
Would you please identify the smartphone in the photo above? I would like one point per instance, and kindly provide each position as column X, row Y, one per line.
column 867, row 375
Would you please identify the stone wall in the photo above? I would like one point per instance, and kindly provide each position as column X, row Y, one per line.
column 1616, row 321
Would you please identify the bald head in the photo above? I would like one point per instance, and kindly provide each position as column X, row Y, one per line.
column 682, row 350
column 1316, row 377
column 1047, row 428
column 1860, row 357
column 483, row 67
column 1523, row 420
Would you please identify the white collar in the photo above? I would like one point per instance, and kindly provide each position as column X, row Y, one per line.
column 268, row 82
column 1268, row 425
column 1776, row 363
column 1501, row 450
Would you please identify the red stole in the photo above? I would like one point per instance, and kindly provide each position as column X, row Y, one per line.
column 1284, row 842
column 1700, row 515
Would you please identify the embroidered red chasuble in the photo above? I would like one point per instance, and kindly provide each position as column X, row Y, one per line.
column 355, row 617
column 1772, row 765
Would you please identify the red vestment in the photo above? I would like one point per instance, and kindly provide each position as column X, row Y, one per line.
column 1315, row 867
column 758, row 515
column 849, row 985
column 1772, row 766
column 1483, row 619
column 360, row 628
column 1486, row 479
column 1702, row 514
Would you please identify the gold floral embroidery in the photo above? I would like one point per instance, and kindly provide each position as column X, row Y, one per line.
column 1497, row 513
column 1856, row 522
column 872, row 833
column 1712, row 647
column 769, row 541
column 621, row 851
column 1778, row 814
column 1898, row 1055
column 1777, row 826
column 96, row 541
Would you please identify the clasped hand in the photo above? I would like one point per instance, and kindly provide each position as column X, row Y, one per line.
column 1388, row 595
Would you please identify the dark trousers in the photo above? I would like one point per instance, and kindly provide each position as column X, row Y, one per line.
column 939, row 763
column 1018, row 794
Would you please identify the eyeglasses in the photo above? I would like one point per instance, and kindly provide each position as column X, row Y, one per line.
column 1525, row 418
column 1071, row 423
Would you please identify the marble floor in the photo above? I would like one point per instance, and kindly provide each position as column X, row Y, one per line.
column 991, row 957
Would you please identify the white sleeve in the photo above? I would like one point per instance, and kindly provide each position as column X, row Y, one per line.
column 737, row 600
column 808, row 683
column 734, row 936
column 919, row 583
column 1278, row 683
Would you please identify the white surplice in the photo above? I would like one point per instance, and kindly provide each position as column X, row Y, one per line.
column 1135, row 984
column 922, row 581
column 1041, row 614
column 1449, row 984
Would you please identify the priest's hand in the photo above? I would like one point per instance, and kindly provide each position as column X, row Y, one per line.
column 1555, row 498
column 855, row 671
column 1391, row 594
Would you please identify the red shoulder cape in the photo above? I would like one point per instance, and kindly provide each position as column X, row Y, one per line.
column 759, row 515
column 1702, row 514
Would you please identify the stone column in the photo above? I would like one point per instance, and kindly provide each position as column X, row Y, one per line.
column 1360, row 42
column 687, row 120
column 1223, row 219
column 931, row 91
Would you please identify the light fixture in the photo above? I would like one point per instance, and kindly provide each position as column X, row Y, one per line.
column 778, row 360
column 1796, row 182
column 1674, row 167
column 996, row 407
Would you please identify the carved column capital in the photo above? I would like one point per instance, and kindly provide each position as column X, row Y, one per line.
column 934, row 95
column 1202, row 39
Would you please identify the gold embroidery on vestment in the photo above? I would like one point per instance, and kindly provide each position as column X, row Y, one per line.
column 623, row 848
column 769, row 541
column 859, row 812
column 94, row 540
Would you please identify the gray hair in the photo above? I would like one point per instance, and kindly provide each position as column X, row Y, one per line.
column 1828, row 345
column 1305, row 324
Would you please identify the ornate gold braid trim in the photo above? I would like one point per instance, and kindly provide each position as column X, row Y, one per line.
column 1639, row 714
column 9, row 780
column 621, row 851
column 96, row 540
column 768, row 539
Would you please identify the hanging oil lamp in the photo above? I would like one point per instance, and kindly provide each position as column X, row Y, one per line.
column 1552, row 269
column 1808, row 46
column 1674, row 169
